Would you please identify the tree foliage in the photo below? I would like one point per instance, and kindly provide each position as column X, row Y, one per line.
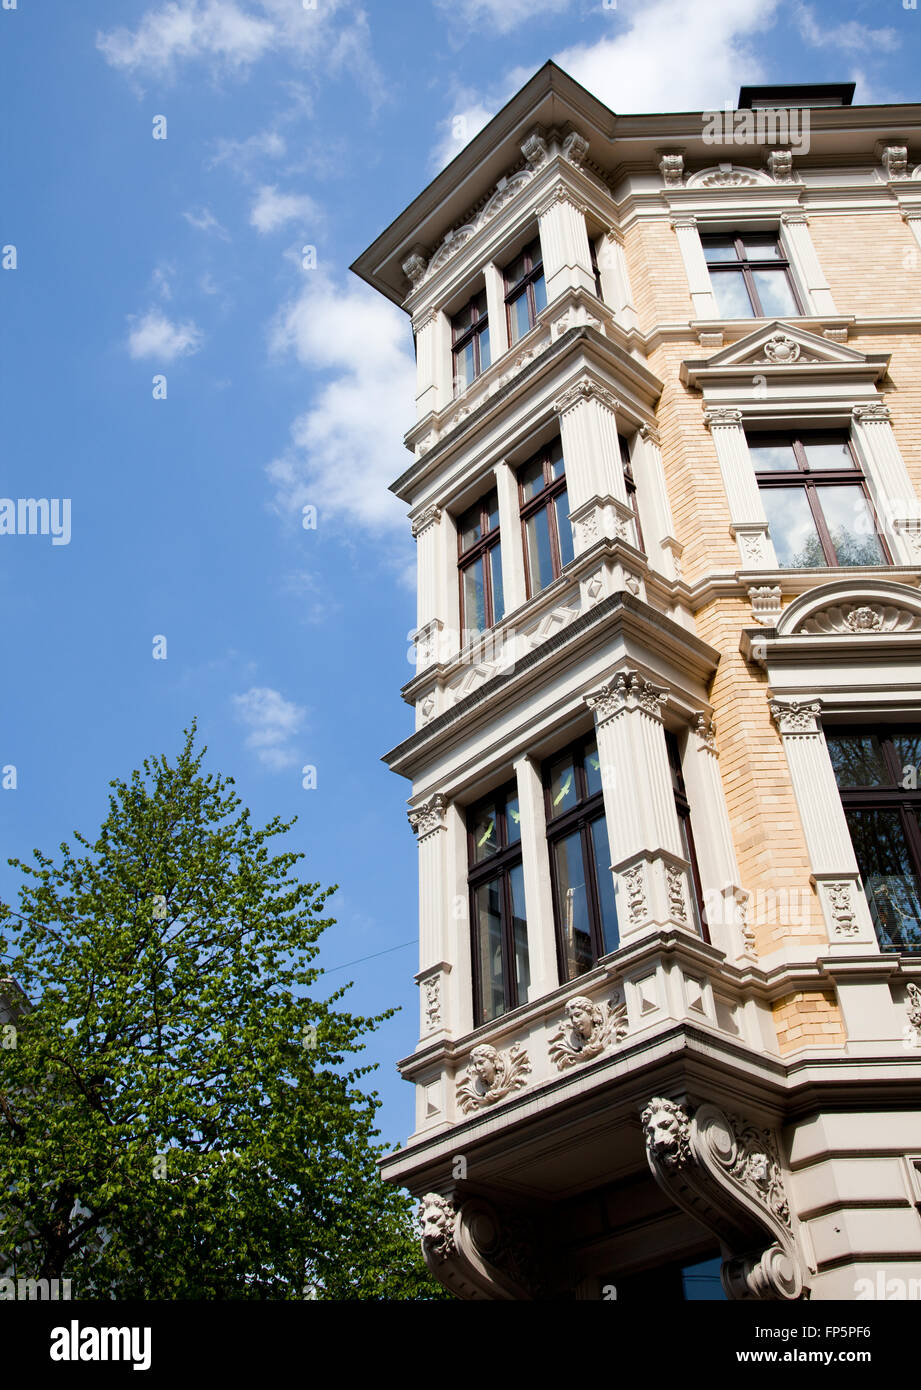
column 179, row 1117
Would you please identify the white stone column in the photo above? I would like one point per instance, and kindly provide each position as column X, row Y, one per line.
column 428, row 822
column 426, row 528
column 651, row 875
column 615, row 279
column 716, row 856
column 662, row 548
column 831, row 854
column 495, row 308
column 450, row 640
column 564, row 244
column 748, row 519
column 695, row 265
column 894, row 498
column 537, row 888
column 912, row 218
column 513, row 575
column 796, row 240
column 597, row 492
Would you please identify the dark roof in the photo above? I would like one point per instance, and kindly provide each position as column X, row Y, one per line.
column 798, row 94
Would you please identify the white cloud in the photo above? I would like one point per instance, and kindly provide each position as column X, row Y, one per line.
column 458, row 130
column 501, row 15
column 851, row 36
column 272, row 209
column 155, row 335
column 266, row 144
column 272, row 722
column 347, row 447
column 204, row 220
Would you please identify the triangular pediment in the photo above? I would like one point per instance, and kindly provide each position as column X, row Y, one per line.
column 780, row 344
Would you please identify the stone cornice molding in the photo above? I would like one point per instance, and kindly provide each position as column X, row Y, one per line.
column 431, row 516
column 725, row 1171
column 585, row 389
column 794, row 217
column 425, row 318
column 627, row 691
column 797, row 717
column 671, row 167
column 429, row 817
column 560, row 193
column 685, row 221
column 877, row 412
column 720, row 417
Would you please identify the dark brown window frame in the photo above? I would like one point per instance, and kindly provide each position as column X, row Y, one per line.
column 580, row 817
column 811, row 480
column 465, row 558
column 545, row 498
column 893, row 797
column 498, row 865
column 526, row 282
column 747, row 267
column 596, row 269
column 683, row 809
column 478, row 326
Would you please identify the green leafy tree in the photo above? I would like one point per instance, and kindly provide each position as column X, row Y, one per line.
column 179, row 1118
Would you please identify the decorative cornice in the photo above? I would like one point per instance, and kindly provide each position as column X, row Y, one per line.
column 429, row 517
column 796, row 717
column 428, row 817
column 585, row 390
column 425, row 319
column 780, row 165
column 861, row 618
column 876, row 413
column 559, row 193
column 894, row 159
column 684, row 222
column 415, row 265
column 795, row 218
column 534, row 149
column 671, row 167
column 627, row 691
column 575, row 148
column 722, row 416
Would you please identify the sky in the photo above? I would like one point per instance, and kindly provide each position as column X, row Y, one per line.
column 184, row 378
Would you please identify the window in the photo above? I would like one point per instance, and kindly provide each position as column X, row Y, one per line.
column 631, row 487
column 687, row 835
column 525, row 291
column 750, row 276
column 545, row 517
column 480, row 565
column 877, row 775
column 470, row 336
column 501, row 976
column 596, row 271
column 816, row 501
column 580, row 860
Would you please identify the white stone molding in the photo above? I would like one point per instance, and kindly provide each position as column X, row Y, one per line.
column 429, row 517
column 575, row 148
column 491, row 1076
column 627, row 691
column 594, row 472
column 671, row 167
column 495, row 309
column 748, row 520
column 894, row 498
column 796, row 238
column 427, row 818
column 664, row 552
column 859, row 608
column 512, row 556
column 728, row 176
column 433, row 998
column 894, row 159
column 477, row 1254
column 587, row 1030
column 695, row 266
column 796, row 717
column 433, row 364
column 911, row 216
column 780, row 166
column 716, row 856
column 725, row 1171
column 783, row 349
column 862, row 617
column 615, row 279
column 913, row 1005
column 564, row 244
column 427, row 530
column 538, row 890
column 765, row 602
column 415, row 265
column 534, row 149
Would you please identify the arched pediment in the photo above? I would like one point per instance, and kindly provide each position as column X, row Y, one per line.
column 853, row 607
column 728, row 176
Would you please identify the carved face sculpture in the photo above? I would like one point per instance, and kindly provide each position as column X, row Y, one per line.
column 665, row 1129
column 759, row 1169
column 483, row 1061
column 437, row 1217
column 580, row 1012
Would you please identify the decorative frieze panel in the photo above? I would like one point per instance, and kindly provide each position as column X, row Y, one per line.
column 765, row 602
column 726, row 1172
column 588, row 1030
column 862, row 617
column 913, row 1006
column 491, row 1076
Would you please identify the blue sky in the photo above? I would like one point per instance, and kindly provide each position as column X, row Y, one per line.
column 286, row 126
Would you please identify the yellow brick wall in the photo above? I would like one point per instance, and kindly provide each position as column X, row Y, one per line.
column 658, row 278
column 872, row 262
column 808, row 1020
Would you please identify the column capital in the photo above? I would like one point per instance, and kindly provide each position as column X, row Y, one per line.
column 629, row 691
column 684, row 222
column 585, row 390
column 875, row 413
column 721, row 416
column 428, row 817
column 424, row 319
column 797, row 716
column 704, row 730
column 912, row 214
column 429, row 517
column 794, row 218
column 649, row 434
column 561, row 194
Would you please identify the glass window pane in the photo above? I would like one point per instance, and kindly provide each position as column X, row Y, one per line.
column 557, row 466
column 489, row 945
column 773, row 458
column 495, row 574
column 572, row 905
column 564, row 528
column 889, row 878
column 732, row 301
column 761, row 248
column 540, row 559
column 908, row 751
column 462, row 321
column 605, row 879
column 830, row 453
column 515, row 272
column 474, row 597
column 468, row 527
column 793, row 530
column 490, row 506
column 531, row 479
column 520, row 933
column 464, row 368
column 850, row 523
column 540, row 293
column 519, row 319
column 479, row 304
column 592, row 765
column 563, row 791
column 512, row 821
column 485, row 834
column 721, row 248
column 485, row 358
column 857, row 760
column 775, row 293
column 688, row 854
column 533, row 253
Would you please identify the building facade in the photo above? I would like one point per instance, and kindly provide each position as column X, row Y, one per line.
column 666, row 756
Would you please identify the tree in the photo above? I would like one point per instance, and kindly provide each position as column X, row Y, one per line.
column 178, row 1117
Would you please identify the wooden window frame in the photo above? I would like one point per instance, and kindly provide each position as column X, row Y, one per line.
column 581, row 817
column 498, row 865
column 545, row 498
column 465, row 558
column 534, row 272
column 479, row 325
column 812, row 480
column 748, row 267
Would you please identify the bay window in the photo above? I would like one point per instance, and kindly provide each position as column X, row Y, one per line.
column 545, row 520
column 499, row 943
column 480, row 566
column 470, row 339
column 525, row 291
